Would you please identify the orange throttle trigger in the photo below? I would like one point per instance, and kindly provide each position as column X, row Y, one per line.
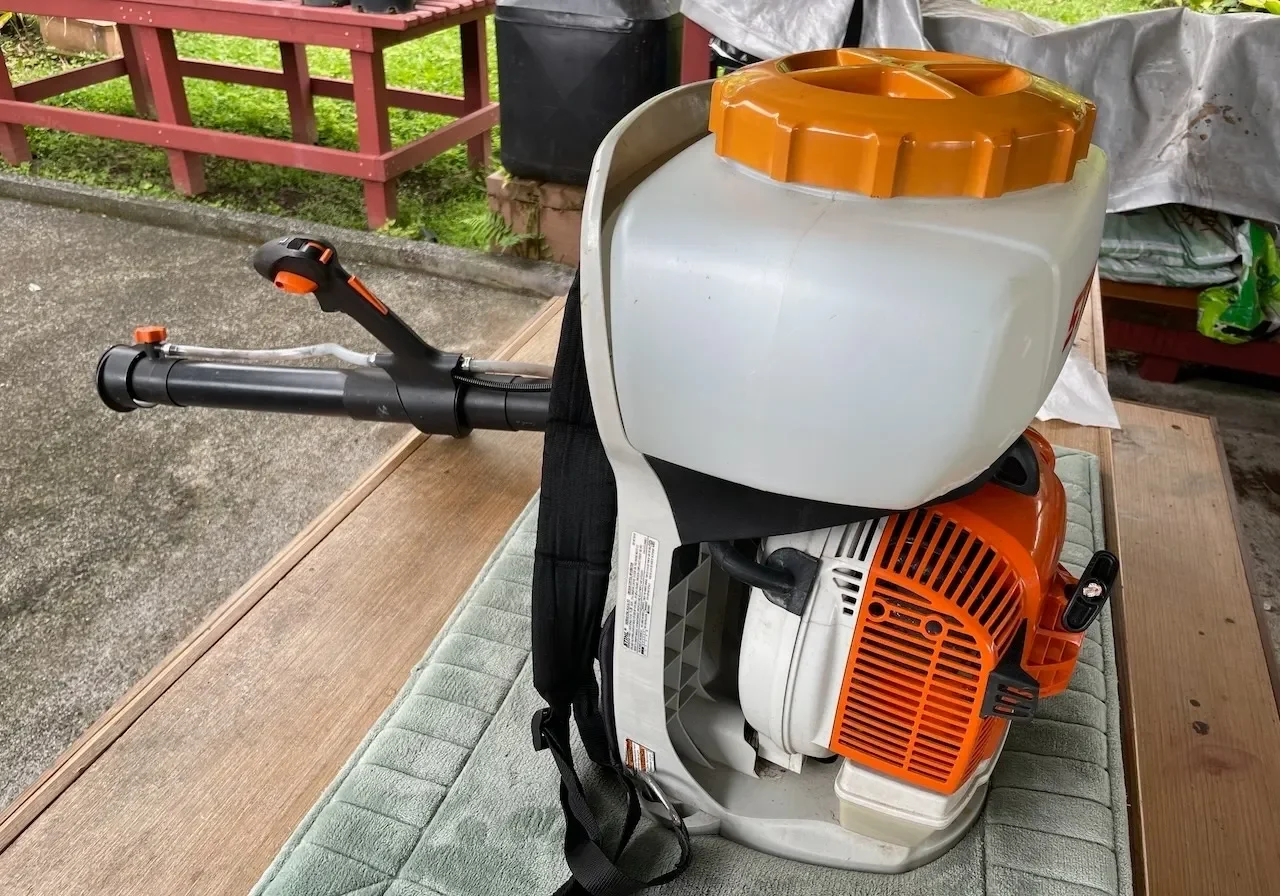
column 294, row 283
column 355, row 283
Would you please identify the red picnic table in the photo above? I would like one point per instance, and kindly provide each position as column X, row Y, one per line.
column 155, row 72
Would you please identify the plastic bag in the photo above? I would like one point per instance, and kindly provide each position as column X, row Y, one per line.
column 1250, row 308
column 1080, row 396
column 1124, row 270
column 1173, row 236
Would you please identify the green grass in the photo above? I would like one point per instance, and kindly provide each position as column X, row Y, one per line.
column 444, row 196
column 1072, row 12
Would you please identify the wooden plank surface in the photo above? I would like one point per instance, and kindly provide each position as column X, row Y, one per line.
column 1090, row 341
column 1197, row 802
column 180, row 15
column 104, row 731
column 1203, row 727
column 292, row 12
column 198, row 791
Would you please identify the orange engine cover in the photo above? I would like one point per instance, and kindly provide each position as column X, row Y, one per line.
column 950, row 588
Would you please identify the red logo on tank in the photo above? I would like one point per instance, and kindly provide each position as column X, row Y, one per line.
column 1077, row 312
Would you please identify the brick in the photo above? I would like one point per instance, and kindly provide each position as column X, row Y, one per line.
column 76, row 36
column 559, row 211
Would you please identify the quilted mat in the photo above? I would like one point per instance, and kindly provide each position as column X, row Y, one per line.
column 445, row 796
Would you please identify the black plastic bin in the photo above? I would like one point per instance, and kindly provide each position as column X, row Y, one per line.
column 569, row 70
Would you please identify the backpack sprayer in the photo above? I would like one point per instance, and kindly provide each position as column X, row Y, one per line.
column 837, row 541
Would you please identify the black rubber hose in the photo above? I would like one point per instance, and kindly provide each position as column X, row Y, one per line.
column 748, row 571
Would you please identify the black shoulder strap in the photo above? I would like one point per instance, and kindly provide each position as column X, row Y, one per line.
column 577, row 516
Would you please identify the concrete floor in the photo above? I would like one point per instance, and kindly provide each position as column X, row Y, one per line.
column 1248, row 414
column 118, row 533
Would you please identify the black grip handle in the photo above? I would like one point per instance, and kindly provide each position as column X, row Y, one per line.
column 314, row 262
column 303, row 264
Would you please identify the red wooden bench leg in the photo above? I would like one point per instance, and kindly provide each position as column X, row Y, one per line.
column 161, row 57
column 369, row 77
column 475, row 86
column 143, row 103
column 1158, row 369
column 14, row 148
column 297, row 86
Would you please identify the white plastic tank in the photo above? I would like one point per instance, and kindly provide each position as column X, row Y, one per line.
column 869, row 274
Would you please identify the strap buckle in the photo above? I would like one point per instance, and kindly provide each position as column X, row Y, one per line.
column 541, row 719
column 651, row 786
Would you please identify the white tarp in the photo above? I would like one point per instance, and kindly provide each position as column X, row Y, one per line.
column 1188, row 103
column 638, row 10
column 768, row 28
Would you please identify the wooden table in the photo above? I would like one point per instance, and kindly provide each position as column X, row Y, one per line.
column 150, row 62
column 1158, row 323
column 192, row 782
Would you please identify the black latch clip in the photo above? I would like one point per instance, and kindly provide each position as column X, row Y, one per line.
column 1091, row 592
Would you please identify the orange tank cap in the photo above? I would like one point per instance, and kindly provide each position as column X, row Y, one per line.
column 891, row 123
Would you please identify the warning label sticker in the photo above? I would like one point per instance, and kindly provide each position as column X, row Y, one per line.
column 637, row 595
column 638, row 756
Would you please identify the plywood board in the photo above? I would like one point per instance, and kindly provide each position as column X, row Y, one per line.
column 1203, row 729
column 202, row 774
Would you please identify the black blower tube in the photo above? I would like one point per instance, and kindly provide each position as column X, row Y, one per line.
column 130, row 378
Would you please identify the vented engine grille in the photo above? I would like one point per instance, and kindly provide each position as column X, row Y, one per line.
column 941, row 607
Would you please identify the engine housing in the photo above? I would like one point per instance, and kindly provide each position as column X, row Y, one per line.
column 926, row 633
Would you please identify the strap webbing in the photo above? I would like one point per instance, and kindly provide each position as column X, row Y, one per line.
column 576, row 518
column 577, row 515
